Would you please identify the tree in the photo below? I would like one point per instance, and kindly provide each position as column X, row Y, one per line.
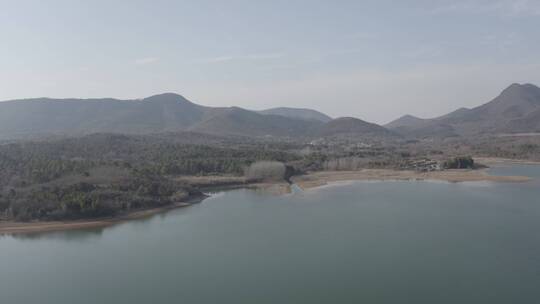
column 461, row 162
column 266, row 170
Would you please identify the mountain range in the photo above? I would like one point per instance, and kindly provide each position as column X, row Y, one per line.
column 167, row 112
column 515, row 110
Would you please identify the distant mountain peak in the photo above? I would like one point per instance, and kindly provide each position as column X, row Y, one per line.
column 520, row 88
column 348, row 119
column 516, row 95
column 409, row 116
column 530, row 86
column 298, row 113
column 167, row 97
column 514, row 85
column 522, row 85
column 404, row 121
column 350, row 126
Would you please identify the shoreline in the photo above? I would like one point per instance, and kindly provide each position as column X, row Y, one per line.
column 323, row 178
column 32, row 227
column 13, row 227
column 308, row 181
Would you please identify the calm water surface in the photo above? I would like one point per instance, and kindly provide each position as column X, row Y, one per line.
column 363, row 242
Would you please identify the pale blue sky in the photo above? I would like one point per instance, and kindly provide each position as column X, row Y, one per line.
column 374, row 60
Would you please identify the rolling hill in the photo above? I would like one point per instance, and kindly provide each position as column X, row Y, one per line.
column 32, row 118
column 515, row 110
column 405, row 121
column 166, row 112
column 238, row 121
column 349, row 126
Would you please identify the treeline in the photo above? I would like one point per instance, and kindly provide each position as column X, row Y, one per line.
column 352, row 163
column 24, row 164
column 103, row 175
column 202, row 160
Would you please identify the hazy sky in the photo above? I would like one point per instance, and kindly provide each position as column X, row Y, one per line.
column 375, row 60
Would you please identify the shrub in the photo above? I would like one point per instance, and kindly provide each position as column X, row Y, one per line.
column 462, row 162
column 265, row 170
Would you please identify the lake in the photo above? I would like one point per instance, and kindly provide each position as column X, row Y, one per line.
column 358, row 242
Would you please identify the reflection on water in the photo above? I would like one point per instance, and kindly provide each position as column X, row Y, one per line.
column 71, row 235
column 516, row 169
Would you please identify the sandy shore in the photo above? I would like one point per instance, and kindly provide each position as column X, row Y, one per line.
column 497, row 161
column 318, row 179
